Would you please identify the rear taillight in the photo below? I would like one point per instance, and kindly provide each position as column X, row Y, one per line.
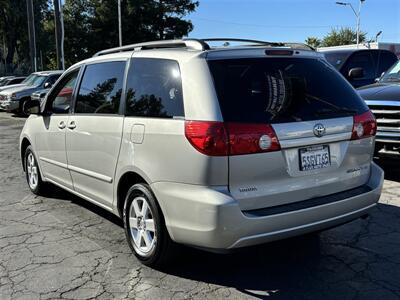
column 251, row 138
column 209, row 138
column 221, row 139
column 364, row 126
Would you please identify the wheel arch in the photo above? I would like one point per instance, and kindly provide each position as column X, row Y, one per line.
column 24, row 145
column 128, row 179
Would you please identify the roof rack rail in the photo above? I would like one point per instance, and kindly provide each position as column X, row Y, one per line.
column 257, row 42
column 299, row 46
column 197, row 44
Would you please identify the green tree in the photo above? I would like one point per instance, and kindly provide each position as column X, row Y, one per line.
column 313, row 41
column 142, row 20
column 14, row 31
column 89, row 26
column 342, row 36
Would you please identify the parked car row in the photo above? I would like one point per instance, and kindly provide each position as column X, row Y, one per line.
column 10, row 80
column 13, row 97
column 214, row 147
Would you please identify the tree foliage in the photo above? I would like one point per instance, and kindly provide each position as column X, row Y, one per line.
column 89, row 26
column 337, row 37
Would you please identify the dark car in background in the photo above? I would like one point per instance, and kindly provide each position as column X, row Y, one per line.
column 383, row 98
column 361, row 66
column 4, row 79
column 12, row 81
column 13, row 99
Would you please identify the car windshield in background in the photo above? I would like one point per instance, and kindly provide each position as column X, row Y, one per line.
column 277, row 90
column 336, row 59
column 393, row 74
column 29, row 79
column 38, row 80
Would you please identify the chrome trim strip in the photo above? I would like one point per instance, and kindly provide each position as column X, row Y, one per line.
column 90, row 174
column 78, row 170
column 385, row 111
column 53, row 162
column 387, row 141
column 384, row 129
column 388, row 134
column 382, row 102
column 305, row 129
column 314, row 140
column 388, row 121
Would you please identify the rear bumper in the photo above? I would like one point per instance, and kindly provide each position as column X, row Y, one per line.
column 211, row 218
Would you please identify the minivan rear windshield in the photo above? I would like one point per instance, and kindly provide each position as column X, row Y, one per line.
column 277, row 90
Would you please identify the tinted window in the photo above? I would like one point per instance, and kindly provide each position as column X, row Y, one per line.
column 361, row 60
column 154, row 89
column 15, row 81
column 336, row 59
column 275, row 90
column 101, row 88
column 62, row 99
column 37, row 81
column 52, row 79
column 384, row 60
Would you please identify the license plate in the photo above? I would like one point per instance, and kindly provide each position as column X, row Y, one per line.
column 312, row 158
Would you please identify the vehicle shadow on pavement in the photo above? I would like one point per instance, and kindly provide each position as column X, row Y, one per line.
column 61, row 194
column 391, row 166
column 359, row 260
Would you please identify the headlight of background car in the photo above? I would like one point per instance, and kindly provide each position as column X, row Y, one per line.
column 13, row 96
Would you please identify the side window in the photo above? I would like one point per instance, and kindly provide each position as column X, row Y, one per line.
column 61, row 98
column 361, row 60
column 154, row 89
column 53, row 79
column 384, row 61
column 101, row 88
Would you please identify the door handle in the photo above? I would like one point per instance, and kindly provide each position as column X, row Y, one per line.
column 72, row 125
column 61, row 125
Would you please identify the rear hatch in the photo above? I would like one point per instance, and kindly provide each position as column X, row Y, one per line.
column 304, row 120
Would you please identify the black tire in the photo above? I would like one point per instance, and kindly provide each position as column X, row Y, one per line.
column 21, row 107
column 40, row 187
column 163, row 249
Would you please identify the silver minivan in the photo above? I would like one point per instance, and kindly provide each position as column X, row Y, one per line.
column 213, row 147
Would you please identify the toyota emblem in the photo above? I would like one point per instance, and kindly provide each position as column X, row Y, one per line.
column 319, row 130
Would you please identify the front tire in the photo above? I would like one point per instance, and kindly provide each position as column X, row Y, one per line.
column 145, row 228
column 32, row 172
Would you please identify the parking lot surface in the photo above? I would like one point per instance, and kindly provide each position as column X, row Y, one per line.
column 61, row 247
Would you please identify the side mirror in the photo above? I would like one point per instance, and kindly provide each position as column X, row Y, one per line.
column 47, row 85
column 356, row 73
column 31, row 107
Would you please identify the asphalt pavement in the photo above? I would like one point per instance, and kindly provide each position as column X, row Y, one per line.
column 62, row 247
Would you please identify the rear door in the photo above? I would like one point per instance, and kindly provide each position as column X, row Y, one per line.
column 94, row 130
column 310, row 107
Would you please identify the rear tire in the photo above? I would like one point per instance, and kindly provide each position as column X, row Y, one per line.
column 32, row 172
column 21, row 108
column 145, row 228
